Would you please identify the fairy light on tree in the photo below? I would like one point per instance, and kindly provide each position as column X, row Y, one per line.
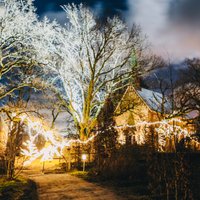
column 54, row 144
column 94, row 62
column 91, row 61
column 165, row 129
column 26, row 46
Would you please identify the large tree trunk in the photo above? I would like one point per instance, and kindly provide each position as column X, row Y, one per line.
column 11, row 153
column 86, row 129
column 83, row 132
column 12, row 144
column 10, row 169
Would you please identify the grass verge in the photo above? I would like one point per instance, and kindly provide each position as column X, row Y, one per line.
column 18, row 189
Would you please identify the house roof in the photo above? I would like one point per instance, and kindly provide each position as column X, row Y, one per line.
column 153, row 100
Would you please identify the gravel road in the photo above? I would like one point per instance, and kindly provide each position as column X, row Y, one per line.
column 65, row 186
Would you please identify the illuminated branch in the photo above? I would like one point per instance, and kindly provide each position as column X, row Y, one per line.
column 164, row 129
column 95, row 61
column 25, row 43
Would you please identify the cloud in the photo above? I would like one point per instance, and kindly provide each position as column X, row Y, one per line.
column 185, row 11
column 168, row 26
column 173, row 27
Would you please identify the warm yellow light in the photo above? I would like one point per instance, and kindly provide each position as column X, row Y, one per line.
column 84, row 157
column 53, row 147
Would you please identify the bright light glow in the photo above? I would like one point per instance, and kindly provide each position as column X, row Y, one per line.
column 55, row 144
column 84, row 157
column 165, row 129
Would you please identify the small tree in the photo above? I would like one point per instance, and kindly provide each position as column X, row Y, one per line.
column 14, row 138
column 105, row 143
column 14, row 114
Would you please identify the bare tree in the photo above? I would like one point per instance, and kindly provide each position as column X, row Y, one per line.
column 95, row 61
column 25, row 45
column 13, row 114
column 188, row 93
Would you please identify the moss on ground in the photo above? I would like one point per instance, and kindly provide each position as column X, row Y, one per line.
column 18, row 189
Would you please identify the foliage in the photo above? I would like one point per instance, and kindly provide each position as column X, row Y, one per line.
column 169, row 176
column 17, row 189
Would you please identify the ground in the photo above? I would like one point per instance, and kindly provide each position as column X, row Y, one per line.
column 65, row 186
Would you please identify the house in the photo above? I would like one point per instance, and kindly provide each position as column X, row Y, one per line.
column 139, row 117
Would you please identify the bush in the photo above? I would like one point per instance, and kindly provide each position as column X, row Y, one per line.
column 19, row 189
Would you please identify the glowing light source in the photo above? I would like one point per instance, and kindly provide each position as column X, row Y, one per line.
column 164, row 129
column 54, row 145
column 84, row 157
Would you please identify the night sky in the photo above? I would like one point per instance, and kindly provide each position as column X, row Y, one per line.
column 172, row 26
column 104, row 7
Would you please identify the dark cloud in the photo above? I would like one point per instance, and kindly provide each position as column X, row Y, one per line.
column 168, row 25
column 173, row 26
column 102, row 8
column 185, row 11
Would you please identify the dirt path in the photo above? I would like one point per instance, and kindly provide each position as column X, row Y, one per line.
column 64, row 187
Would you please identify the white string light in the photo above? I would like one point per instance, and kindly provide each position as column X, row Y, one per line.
column 54, row 145
column 164, row 129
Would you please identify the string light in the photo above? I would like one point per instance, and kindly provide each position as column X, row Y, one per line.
column 55, row 144
column 148, row 123
column 164, row 129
